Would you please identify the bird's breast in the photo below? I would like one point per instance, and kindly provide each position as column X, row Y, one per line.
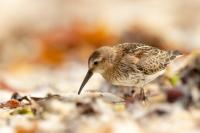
column 125, row 79
column 130, row 79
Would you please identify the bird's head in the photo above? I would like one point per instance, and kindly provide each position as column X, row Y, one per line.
column 98, row 62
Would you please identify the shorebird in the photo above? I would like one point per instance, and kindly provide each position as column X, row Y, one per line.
column 129, row 64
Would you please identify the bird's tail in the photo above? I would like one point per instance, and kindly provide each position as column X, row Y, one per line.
column 174, row 54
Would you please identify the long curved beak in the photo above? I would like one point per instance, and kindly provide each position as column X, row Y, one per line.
column 87, row 77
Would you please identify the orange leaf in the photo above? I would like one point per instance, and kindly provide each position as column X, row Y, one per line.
column 12, row 103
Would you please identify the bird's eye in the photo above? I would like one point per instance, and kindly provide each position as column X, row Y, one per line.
column 96, row 63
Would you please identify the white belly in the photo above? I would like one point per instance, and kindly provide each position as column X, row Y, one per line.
column 137, row 80
column 149, row 78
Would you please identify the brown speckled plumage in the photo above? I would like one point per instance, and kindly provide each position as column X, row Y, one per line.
column 150, row 59
column 130, row 64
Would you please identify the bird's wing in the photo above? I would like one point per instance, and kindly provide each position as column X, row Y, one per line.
column 148, row 59
column 138, row 49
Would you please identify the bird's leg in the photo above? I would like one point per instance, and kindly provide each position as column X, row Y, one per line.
column 142, row 94
column 128, row 95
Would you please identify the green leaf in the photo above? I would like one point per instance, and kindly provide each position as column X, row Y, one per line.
column 175, row 80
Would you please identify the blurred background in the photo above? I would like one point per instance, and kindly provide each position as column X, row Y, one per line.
column 52, row 32
column 44, row 45
column 63, row 33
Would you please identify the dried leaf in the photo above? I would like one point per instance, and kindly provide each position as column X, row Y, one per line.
column 12, row 103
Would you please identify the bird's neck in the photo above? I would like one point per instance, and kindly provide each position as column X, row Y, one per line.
column 112, row 54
